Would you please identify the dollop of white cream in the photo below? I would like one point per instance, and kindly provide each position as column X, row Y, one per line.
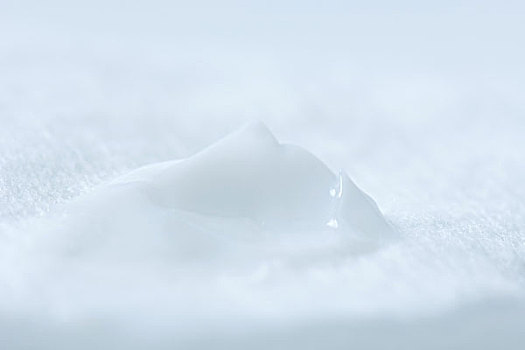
column 246, row 195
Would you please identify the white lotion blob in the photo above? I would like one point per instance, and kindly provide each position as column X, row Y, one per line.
column 246, row 195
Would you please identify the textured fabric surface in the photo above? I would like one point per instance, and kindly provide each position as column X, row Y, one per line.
column 422, row 106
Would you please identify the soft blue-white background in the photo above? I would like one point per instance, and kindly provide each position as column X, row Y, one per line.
column 423, row 104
